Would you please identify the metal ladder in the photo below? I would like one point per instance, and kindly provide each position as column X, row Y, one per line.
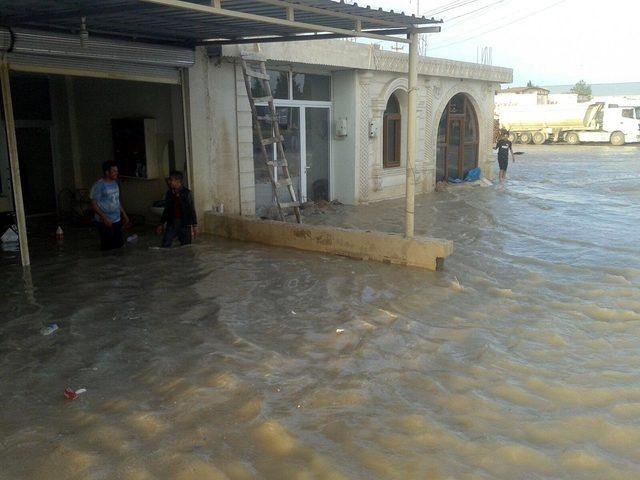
column 253, row 67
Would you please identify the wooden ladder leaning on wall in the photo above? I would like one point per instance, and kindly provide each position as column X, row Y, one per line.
column 254, row 68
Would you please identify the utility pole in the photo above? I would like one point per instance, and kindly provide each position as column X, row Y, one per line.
column 411, row 135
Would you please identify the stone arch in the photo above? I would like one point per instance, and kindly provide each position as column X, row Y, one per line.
column 452, row 92
column 398, row 86
column 399, row 83
column 443, row 101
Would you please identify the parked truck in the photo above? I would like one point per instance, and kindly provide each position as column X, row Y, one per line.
column 571, row 123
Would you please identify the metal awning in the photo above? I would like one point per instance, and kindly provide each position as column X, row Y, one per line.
column 196, row 22
column 200, row 22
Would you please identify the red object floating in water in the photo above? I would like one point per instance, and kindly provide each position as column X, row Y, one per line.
column 70, row 394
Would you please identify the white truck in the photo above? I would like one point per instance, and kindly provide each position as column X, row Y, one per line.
column 571, row 123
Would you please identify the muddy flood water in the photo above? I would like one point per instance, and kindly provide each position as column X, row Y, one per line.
column 521, row 360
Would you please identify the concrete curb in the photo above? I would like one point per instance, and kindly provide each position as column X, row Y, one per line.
column 423, row 252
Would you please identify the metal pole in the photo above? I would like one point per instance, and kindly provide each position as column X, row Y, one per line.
column 411, row 134
column 13, row 161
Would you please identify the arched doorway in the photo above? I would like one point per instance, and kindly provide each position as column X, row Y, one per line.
column 457, row 149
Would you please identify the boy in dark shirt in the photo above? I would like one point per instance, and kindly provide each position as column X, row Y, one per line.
column 504, row 146
column 179, row 216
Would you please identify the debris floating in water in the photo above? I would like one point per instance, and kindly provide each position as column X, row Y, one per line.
column 49, row 329
column 71, row 394
column 339, row 330
column 456, row 285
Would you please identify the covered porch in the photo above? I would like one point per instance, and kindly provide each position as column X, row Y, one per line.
column 146, row 39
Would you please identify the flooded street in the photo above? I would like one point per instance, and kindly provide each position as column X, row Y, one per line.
column 237, row 361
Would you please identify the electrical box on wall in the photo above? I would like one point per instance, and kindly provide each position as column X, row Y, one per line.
column 341, row 127
column 373, row 129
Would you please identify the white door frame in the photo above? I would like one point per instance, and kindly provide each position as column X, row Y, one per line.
column 303, row 105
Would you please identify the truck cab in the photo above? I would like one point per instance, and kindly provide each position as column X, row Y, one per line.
column 609, row 123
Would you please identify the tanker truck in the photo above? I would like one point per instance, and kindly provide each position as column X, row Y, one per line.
column 571, row 123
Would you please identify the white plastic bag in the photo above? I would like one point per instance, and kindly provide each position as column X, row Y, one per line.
column 10, row 235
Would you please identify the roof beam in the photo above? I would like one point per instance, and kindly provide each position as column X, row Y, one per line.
column 333, row 13
column 194, row 7
column 289, row 38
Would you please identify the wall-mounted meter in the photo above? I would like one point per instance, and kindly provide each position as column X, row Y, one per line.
column 373, row 129
column 341, row 127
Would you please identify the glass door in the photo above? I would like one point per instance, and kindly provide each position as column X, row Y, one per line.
column 289, row 124
column 317, row 148
column 453, row 169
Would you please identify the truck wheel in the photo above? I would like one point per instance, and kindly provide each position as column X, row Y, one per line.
column 539, row 138
column 513, row 138
column 617, row 139
column 525, row 137
column 572, row 138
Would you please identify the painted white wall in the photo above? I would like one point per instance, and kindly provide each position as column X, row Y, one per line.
column 344, row 148
column 201, row 127
column 225, row 139
column 64, row 173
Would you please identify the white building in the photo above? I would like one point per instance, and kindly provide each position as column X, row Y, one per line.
column 343, row 108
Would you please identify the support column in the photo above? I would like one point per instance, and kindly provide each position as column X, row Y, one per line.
column 411, row 135
column 13, row 161
column 76, row 156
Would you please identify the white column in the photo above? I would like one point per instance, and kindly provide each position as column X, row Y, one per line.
column 411, row 134
column 15, row 166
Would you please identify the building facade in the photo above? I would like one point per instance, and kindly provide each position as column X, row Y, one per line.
column 341, row 107
column 342, row 110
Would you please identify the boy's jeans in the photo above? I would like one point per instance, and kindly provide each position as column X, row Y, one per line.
column 110, row 237
column 174, row 229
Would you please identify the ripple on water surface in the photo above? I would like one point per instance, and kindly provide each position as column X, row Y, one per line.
column 236, row 361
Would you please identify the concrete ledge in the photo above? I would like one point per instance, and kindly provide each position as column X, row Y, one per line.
column 420, row 252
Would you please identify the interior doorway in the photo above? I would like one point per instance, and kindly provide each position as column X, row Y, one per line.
column 457, row 147
column 35, row 156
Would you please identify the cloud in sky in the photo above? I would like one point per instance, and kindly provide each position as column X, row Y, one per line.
column 545, row 41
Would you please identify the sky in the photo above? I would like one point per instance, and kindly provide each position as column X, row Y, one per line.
column 550, row 42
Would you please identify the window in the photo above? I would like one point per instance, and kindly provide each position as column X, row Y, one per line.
column 311, row 87
column 638, row 113
column 456, row 105
column 303, row 86
column 627, row 112
column 279, row 82
column 392, row 134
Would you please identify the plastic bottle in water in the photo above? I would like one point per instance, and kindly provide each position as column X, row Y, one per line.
column 49, row 329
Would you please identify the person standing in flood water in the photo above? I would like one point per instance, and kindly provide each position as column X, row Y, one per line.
column 179, row 216
column 109, row 212
column 504, row 146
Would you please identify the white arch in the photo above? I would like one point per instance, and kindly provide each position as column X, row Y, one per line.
column 439, row 111
column 452, row 92
column 399, row 83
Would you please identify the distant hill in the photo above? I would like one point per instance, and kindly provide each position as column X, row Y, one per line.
column 602, row 89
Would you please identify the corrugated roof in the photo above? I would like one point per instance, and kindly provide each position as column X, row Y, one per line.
column 143, row 19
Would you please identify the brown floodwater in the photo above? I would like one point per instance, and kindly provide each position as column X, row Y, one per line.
column 233, row 361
